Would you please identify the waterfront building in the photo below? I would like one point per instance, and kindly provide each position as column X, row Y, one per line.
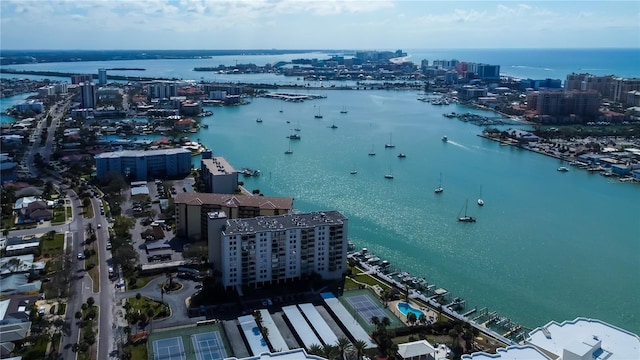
column 540, row 84
column 144, row 164
column 468, row 92
column 192, row 209
column 578, row 339
column 218, row 175
column 102, row 76
column 88, row 97
column 584, row 104
column 620, row 88
column 584, row 338
column 80, row 78
column 487, row 72
column 45, row 91
column 162, row 90
column 29, row 105
column 276, row 249
column 61, row 88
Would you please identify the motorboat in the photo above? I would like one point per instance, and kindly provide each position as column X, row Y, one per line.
column 445, row 139
column 294, row 137
column 402, row 155
column 563, row 169
column 258, row 120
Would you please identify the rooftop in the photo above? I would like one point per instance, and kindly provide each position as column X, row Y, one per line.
column 288, row 221
column 137, row 153
column 233, row 201
column 582, row 335
column 218, row 166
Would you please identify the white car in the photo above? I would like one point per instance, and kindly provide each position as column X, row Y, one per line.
column 80, row 256
column 99, row 226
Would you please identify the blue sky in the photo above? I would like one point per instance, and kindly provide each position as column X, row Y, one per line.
column 309, row 24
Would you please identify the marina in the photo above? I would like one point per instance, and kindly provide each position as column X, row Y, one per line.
column 438, row 298
column 404, row 222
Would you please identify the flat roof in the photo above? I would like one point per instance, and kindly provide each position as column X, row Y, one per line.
column 138, row 153
column 287, row 221
column 275, row 338
column 322, row 328
column 615, row 343
column 348, row 320
column 218, row 166
column 252, row 334
column 234, row 201
column 301, row 326
column 516, row 352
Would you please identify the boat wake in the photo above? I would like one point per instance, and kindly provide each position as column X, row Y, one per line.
column 458, row 145
column 531, row 67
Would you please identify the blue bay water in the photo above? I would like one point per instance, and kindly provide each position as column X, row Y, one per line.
column 547, row 245
column 543, row 240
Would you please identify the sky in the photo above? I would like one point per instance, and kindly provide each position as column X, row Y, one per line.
column 310, row 24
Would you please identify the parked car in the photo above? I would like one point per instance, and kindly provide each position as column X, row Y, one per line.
column 80, row 256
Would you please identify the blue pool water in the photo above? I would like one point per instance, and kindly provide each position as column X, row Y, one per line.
column 406, row 308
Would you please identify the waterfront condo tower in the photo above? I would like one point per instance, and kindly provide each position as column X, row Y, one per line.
column 277, row 249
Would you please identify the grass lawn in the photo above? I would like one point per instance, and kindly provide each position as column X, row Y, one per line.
column 91, row 263
column 59, row 215
column 370, row 280
column 138, row 351
column 52, row 247
column 88, row 325
column 143, row 304
column 88, row 211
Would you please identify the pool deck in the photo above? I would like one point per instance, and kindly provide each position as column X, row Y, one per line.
column 393, row 306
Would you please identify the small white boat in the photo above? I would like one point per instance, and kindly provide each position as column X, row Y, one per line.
column 258, row 120
column 480, row 201
column 445, row 139
column 563, row 169
column 402, row 155
column 466, row 218
column 389, row 145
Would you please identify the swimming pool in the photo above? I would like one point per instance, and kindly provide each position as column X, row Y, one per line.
column 406, row 308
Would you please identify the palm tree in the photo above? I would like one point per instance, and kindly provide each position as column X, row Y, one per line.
column 343, row 345
column 315, row 349
column 330, row 352
column 359, row 346
column 90, row 229
column 422, row 319
column 411, row 318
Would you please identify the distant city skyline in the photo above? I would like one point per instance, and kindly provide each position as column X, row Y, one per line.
column 337, row 24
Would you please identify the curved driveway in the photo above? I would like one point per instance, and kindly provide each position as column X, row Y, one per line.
column 175, row 300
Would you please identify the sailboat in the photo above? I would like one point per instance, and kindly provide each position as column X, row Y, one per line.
column 372, row 153
column 297, row 127
column 344, row 110
column 281, row 109
column 480, row 201
column 439, row 189
column 389, row 175
column 333, row 126
column 389, row 145
column 466, row 218
column 318, row 115
column 289, row 151
column 354, row 171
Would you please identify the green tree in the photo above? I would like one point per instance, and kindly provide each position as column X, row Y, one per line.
column 411, row 318
column 359, row 346
column 343, row 345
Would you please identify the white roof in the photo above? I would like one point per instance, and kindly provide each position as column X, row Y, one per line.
column 582, row 335
column 4, row 305
column 415, row 348
column 296, row 354
column 348, row 320
column 516, row 352
column 318, row 323
column 253, row 335
column 275, row 338
column 301, row 326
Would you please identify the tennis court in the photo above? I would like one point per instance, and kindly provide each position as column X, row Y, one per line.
column 169, row 349
column 208, row 346
column 366, row 308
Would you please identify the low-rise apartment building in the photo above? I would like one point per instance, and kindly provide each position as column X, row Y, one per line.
column 192, row 209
